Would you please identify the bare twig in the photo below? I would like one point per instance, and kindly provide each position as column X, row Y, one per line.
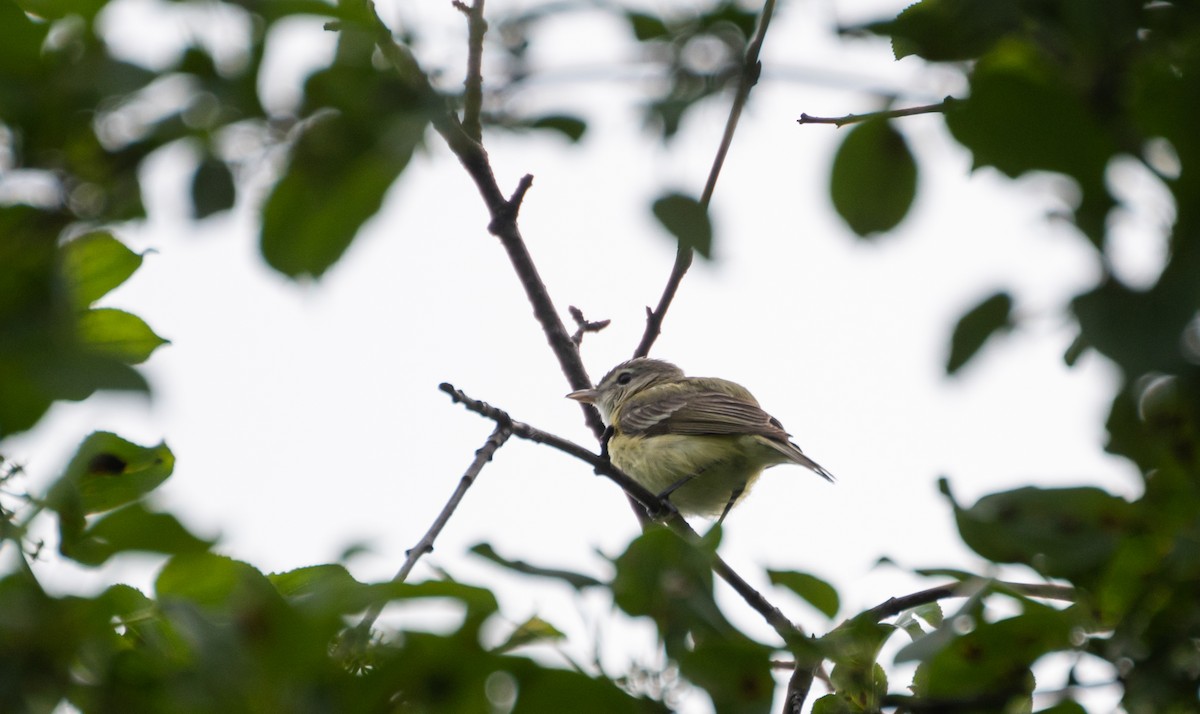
column 751, row 69
column 583, row 325
column 473, row 95
column 841, row 121
column 896, row 605
column 522, row 430
column 482, row 455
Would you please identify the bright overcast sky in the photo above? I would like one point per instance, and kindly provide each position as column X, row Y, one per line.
column 306, row 418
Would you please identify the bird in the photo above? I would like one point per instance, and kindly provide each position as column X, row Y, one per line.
column 699, row 442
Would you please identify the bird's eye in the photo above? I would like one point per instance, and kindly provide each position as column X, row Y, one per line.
column 625, row 378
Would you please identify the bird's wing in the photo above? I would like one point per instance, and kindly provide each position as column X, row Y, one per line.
column 700, row 412
column 709, row 412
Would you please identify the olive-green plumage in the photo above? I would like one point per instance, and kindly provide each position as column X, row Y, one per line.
column 700, row 441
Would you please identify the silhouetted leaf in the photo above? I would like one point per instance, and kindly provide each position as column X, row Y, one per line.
column 213, row 189
column 645, row 26
column 569, row 126
column 874, row 178
column 686, row 219
column 974, row 328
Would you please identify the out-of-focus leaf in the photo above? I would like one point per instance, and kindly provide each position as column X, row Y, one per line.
column 569, row 126
column 874, row 178
column 734, row 671
column 579, row 581
column 213, row 189
column 533, row 631
column 670, row 581
column 1061, row 532
column 108, row 471
column 990, row 664
column 1023, row 115
column 949, row 30
column 686, row 219
column 974, row 328
column 94, row 264
column 646, row 27
column 812, row 589
column 854, row 648
column 132, row 528
column 333, row 184
column 119, row 334
column 1140, row 331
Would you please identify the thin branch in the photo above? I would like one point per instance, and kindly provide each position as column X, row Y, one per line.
column 751, row 69
column 787, row 630
column 482, row 455
column 896, row 605
column 503, row 212
column 473, row 95
column 583, row 325
column 522, row 430
column 939, row 108
column 799, row 685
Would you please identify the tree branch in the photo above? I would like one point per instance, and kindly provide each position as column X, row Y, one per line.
column 482, row 455
column 939, row 108
column 503, row 212
column 473, row 95
column 658, row 509
column 751, row 69
column 583, row 325
column 896, row 605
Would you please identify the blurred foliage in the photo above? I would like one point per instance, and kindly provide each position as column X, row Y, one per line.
column 1060, row 86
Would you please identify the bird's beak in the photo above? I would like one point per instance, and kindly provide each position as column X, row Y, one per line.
column 587, row 396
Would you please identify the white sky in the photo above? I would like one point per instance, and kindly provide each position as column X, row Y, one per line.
column 307, row 418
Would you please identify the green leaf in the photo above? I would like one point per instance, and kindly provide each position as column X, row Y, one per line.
column 118, row 334
column 812, row 589
column 874, row 178
column 992, row 661
column 1023, row 115
column 579, row 581
column 1061, row 532
column 535, row 630
column 107, row 472
column 670, row 581
column 213, row 188
column 646, row 27
column 569, row 126
column 734, row 671
column 337, row 179
column 949, row 30
column 686, row 219
column 94, row 264
column 132, row 528
column 974, row 328
column 211, row 581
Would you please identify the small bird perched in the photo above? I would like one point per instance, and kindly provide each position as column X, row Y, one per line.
column 699, row 441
